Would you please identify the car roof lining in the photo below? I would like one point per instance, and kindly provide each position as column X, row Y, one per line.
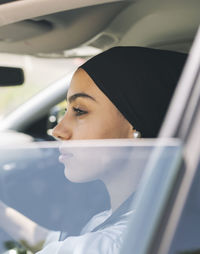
column 15, row 11
column 71, row 28
column 167, row 25
column 7, row 1
column 140, row 23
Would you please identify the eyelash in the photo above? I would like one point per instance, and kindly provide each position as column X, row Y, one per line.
column 79, row 112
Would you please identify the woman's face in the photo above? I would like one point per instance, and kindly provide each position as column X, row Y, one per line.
column 90, row 115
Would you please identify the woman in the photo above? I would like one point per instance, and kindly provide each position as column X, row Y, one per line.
column 123, row 92
column 117, row 94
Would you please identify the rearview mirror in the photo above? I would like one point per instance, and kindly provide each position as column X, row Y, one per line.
column 10, row 76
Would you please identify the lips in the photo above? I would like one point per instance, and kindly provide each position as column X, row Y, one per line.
column 65, row 156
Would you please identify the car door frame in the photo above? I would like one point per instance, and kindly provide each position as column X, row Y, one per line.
column 151, row 228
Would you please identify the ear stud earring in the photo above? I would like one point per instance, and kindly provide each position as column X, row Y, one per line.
column 136, row 134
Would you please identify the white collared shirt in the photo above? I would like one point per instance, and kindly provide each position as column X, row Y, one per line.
column 107, row 240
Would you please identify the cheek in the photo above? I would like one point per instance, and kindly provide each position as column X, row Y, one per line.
column 112, row 126
column 86, row 130
column 91, row 128
column 98, row 129
column 83, row 167
column 88, row 164
column 100, row 126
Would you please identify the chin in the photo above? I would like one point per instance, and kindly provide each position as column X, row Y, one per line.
column 73, row 177
column 77, row 177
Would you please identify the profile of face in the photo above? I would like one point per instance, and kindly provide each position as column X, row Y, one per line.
column 87, row 162
column 90, row 115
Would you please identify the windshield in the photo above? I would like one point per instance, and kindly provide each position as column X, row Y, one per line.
column 71, row 190
column 39, row 73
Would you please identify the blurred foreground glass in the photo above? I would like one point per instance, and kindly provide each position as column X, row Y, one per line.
column 61, row 186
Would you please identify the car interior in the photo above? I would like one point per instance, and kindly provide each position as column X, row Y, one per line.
column 32, row 30
column 56, row 29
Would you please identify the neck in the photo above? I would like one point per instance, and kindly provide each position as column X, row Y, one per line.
column 121, row 186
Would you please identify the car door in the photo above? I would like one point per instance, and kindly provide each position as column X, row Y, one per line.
column 167, row 216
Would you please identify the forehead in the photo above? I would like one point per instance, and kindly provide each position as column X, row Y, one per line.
column 82, row 83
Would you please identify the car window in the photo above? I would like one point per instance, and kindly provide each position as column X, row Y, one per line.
column 186, row 238
column 56, row 114
column 39, row 73
column 33, row 182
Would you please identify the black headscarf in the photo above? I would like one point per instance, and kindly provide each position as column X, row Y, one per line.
column 139, row 81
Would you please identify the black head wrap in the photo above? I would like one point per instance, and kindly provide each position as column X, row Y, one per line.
column 139, row 81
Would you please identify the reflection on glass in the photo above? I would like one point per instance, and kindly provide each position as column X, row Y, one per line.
column 186, row 237
column 89, row 203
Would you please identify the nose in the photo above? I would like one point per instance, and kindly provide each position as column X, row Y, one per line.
column 62, row 131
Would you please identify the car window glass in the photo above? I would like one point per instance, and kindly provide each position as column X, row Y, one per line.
column 39, row 73
column 56, row 114
column 32, row 181
column 186, row 239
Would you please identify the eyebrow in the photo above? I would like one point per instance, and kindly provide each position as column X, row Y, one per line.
column 78, row 95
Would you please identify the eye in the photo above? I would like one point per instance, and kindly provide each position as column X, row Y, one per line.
column 79, row 112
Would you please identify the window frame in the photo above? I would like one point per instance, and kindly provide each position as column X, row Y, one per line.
column 151, row 228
